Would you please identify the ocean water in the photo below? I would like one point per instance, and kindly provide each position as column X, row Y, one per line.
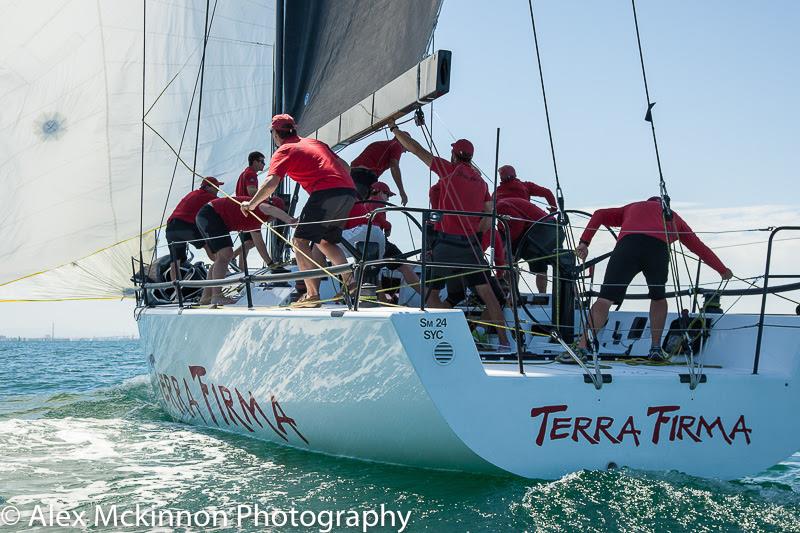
column 80, row 429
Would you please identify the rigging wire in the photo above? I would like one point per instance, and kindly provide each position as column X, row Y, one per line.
column 206, row 29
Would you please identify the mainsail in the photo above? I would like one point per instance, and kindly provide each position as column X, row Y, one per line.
column 71, row 135
column 72, row 157
column 337, row 53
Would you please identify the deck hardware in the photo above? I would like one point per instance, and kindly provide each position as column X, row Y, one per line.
column 607, row 378
column 686, row 378
column 337, row 314
column 444, row 353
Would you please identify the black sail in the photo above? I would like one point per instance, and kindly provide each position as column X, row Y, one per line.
column 337, row 52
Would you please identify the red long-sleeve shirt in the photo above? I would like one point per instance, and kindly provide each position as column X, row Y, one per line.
column 646, row 218
column 516, row 188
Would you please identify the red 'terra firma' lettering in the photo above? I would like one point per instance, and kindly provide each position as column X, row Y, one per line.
column 247, row 414
column 668, row 424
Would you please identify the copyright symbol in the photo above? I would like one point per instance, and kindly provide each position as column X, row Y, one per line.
column 9, row 515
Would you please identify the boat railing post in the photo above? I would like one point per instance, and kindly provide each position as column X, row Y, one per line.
column 177, row 281
column 519, row 336
column 423, row 254
column 247, row 280
column 764, row 293
column 360, row 263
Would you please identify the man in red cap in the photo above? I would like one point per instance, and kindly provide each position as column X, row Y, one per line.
column 373, row 161
column 512, row 187
column 247, row 185
column 218, row 218
column 326, row 178
column 523, row 214
column 460, row 188
column 181, row 227
column 642, row 246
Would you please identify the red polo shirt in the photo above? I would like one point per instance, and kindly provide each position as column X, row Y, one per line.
column 231, row 214
column 516, row 188
column 646, row 218
column 248, row 178
column 460, row 188
column 311, row 163
column 187, row 208
column 378, row 155
column 362, row 209
column 519, row 208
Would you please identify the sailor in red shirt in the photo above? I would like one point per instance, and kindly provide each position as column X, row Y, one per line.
column 460, row 188
column 355, row 229
column 642, row 246
column 181, row 228
column 247, row 185
column 539, row 242
column 512, row 187
column 218, row 218
column 373, row 161
column 326, row 177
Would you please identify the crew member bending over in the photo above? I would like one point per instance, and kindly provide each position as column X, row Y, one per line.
column 373, row 161
column 220, row 217
column 460, row 188
column 642, row 246
column 181, row 226
column 523, row 243
column 326, row 178
column 513, row 187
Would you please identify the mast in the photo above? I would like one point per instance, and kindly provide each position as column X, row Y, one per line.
column 277, row 245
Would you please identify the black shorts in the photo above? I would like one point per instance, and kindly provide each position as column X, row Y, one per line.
column 542, row 241
column 392, row 251
column 326, row 205
column 636, row 253
column 457, row 292
column 179, row 233
column 451, row 249
column 363, row 179
column 246, row 236
column 213, row 229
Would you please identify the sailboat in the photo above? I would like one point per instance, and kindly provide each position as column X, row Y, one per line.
column 404, row 385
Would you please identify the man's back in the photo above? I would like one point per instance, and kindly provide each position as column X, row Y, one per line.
column 378, row 156
column 460, row 188
column 311, row 163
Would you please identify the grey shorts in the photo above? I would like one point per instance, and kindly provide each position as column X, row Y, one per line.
column 449, row 250
column 332, row 205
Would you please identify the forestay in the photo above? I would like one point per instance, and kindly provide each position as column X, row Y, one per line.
column 71, row 133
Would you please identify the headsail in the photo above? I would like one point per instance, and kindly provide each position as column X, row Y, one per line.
column 337, row 53
column 70, row 129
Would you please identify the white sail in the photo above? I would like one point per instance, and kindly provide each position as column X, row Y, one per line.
column 71, row 134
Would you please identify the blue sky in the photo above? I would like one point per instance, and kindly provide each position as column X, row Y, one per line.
column 724, row 75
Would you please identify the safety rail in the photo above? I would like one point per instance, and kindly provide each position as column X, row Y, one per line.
column 767, row 276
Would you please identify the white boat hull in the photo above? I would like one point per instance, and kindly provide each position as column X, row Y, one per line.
column 368, row 385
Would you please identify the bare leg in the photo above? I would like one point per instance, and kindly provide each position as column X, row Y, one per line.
column 410, row 277
column 598, row 316
column 541, row 283
column 218, row 271
column 335, row 256
column 173, row 270
column 303, row 254
column 658, row 316
column 494, row 311
column 209, row 253
column 434, row 301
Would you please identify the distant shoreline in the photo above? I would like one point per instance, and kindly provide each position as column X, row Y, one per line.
column 4, row 338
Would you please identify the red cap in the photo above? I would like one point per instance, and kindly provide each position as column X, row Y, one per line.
column 507, row 171
column 463, row 147
column 213, row 181
column 283, row 122
column 379, row 186
column 277, row 201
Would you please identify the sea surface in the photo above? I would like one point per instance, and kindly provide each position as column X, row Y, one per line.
column 80, row 428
